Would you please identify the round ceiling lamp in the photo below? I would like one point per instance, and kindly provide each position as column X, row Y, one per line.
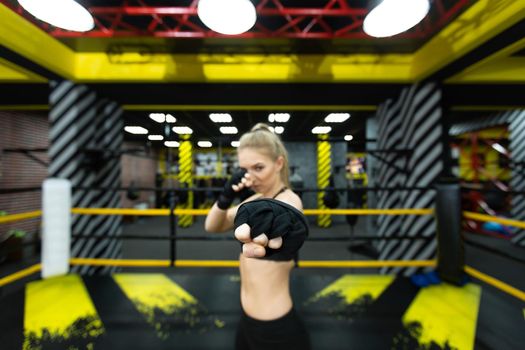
column 65, row 14
column 230, row 17
column 392, row 17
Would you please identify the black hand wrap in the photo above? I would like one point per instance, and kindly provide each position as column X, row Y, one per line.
column 275, row 219
column 228, row 195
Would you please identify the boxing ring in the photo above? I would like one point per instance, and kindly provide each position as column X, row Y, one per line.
column 194, row 304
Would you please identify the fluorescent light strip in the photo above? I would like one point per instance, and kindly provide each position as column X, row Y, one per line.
column 278, row 117
column 136, row 130
column 155, row 137
column 182, row 130
column 321, row 130
column 336, row 117
column 349, row 137
column 161, row 117
column 204, row 144
column 170, row 119
column 171, row 144
column 221, row 117
column 277, row 130
column 228, row 130
column 235, row 143
column 158, row 117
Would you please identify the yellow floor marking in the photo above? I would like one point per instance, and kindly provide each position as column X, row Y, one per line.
column 353, row 287
column 447, row 314
column 53, row 306
column 151, row 293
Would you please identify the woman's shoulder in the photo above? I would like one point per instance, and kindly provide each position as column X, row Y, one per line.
column 290, row 197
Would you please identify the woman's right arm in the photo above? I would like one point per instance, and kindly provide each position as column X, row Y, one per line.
column 219, row 220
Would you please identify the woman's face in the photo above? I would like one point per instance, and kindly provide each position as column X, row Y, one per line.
column 264, row 172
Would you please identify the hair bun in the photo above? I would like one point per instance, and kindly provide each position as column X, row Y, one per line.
column 261, row 126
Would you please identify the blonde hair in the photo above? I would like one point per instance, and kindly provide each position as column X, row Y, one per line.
column 262, row 138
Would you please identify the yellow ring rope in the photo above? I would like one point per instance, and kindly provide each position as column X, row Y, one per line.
column 235, row 263
column 20, row 274
column 21, row 216
column 202, row 212
column 489, row 218
column 495, row 283
column 366, row 263
column 164, row 212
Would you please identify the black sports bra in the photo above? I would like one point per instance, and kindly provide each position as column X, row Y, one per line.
column 280, row 191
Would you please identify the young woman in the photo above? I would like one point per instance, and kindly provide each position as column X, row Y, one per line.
column 271, row 228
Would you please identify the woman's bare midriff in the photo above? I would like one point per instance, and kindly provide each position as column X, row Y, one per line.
column 265, row 290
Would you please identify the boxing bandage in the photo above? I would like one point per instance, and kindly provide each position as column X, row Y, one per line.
column 228, row 195
column 275, row 219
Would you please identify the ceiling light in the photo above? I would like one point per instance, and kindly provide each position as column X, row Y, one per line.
column 137, row 130
column 171, row 144
column 349, row 137
column 278, row 129
column 182, row 130
column 155, row 137
column 278, row 117
column 228, row 17
column 158, row 117
column 235, row 143
column 336, row 117
column 392, row 17
column 321, row 130
column 65, row 14
column 499, row 148
column 204, row 144
column 228, row 130
column 170, row 119
column 221, row 117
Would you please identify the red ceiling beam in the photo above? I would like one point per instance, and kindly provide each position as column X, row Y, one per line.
column 192, row 11
column 302, row 23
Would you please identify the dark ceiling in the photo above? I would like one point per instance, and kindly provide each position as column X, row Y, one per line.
column 298, row 128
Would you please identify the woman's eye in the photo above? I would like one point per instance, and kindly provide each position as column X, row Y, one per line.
column 259, row 168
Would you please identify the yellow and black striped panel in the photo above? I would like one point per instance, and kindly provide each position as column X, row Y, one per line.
column 324, row 151
column 186, row 178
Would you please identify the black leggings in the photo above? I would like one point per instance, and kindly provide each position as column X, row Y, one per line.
column 287, row 333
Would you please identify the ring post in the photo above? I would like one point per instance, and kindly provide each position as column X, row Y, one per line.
column 173, row 228
column 56, row 227
column 451, row 252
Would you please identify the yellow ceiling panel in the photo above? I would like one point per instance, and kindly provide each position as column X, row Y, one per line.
column 482, row 21
column 10, row 73
column 133, row 67
column 24, row 38
column 500, row 67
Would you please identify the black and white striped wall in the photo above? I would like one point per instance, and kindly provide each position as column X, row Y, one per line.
column 85, row 140
column 517, row 182
column 515, row 120
column 410, row 138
